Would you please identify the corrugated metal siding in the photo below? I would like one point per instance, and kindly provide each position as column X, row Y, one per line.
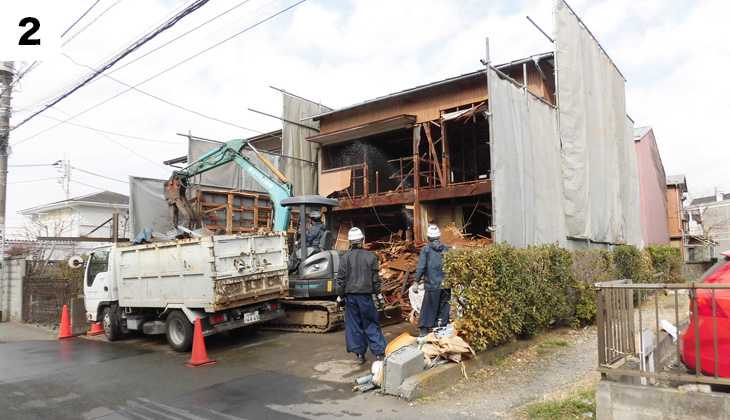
column 425, row 104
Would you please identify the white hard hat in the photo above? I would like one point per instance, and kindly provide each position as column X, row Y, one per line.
column 354, row 234
column 433, row 232
column 315, row 214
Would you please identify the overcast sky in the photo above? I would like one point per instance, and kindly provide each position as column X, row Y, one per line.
column 673, row 55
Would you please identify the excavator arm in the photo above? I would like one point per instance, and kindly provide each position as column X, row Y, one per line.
column 278, row 189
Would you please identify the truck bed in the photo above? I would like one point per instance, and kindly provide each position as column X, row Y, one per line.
column 210, row 273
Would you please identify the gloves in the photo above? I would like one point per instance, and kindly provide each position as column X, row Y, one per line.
column 381, row 301
column 340, row 302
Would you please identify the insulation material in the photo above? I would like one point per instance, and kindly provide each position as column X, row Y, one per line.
column 302, row 175
column 599, row 166
column 147, row 205
column 330, row 182
column 527, row 180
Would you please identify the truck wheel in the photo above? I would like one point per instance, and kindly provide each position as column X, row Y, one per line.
column 110, row 324
column 179, row 331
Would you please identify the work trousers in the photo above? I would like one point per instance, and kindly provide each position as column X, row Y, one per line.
column 362, row 327
column 435, row 309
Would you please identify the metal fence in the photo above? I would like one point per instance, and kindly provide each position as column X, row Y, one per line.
column 43, row 298
column 621, row 326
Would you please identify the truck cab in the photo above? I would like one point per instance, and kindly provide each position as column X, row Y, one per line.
column 100, row 289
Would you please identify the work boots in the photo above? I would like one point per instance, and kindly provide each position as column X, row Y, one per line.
column 360, row 359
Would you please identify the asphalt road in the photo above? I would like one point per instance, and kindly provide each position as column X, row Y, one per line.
column 270, row 375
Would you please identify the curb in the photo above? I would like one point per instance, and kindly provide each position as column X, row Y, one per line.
column 434, row 380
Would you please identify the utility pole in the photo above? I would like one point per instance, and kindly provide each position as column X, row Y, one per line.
column 6, row 80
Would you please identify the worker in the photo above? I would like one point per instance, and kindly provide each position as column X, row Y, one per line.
column 435, row 307
column 358, row 280
column 312, row 240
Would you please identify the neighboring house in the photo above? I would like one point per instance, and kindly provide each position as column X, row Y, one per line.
column 709, row 226
column 653, row 187
column 85, row 216
column 677, row 216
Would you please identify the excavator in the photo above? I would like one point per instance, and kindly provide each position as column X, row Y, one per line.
column 312, row 285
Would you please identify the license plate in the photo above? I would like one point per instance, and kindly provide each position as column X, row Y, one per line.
column 251, row 317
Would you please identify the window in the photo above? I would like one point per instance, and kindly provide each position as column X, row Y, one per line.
column 98, row 263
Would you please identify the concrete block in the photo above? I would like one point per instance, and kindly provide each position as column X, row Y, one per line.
column 603, row 400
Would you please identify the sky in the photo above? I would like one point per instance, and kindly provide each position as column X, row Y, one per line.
column 339, row 53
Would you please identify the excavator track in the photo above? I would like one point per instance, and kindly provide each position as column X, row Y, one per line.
column 308, row 316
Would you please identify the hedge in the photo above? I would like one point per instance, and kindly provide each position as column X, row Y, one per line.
column 501, row 293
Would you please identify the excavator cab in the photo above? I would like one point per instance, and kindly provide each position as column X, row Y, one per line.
column 316, row 271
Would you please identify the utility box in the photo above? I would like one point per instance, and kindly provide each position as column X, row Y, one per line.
column 400, row 365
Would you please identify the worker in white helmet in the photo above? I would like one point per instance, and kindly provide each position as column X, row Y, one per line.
column 435, row 307
column 357, row 281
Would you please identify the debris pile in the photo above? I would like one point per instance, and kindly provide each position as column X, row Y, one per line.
column 398, row 261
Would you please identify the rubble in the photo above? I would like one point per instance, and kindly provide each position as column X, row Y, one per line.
column 398, row 260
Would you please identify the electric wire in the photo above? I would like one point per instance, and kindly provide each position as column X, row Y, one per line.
column 166, row 70
column 77, row 20
column 69, row 39
column 167, row 25
column 105, row 131
column 121, row 145
column 32, row 180
column 92, row 186
column 165, row 100
column 99, row 175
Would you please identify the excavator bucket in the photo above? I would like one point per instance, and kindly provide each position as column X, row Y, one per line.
column 175, row 197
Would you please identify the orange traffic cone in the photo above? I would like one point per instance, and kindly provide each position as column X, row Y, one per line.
column 65, row 325
column 96, row 329
column 199, row 356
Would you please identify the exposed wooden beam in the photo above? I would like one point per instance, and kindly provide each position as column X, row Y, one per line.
column 376, row 200
column 454, row 191
column 427, row 127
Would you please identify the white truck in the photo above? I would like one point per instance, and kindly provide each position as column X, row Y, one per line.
column 230, row 282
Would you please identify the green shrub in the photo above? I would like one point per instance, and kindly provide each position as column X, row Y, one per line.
column 631, row 264
column 668, row 260
column 589, row 267
column 501, row 292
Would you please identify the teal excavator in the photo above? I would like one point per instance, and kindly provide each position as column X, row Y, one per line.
column 312, row 285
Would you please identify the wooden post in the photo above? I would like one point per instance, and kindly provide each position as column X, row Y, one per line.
column 445, row 153
column 229, row 214
column 115, row 227
column 416, row 183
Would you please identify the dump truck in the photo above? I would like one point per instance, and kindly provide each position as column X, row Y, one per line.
column 228, row 282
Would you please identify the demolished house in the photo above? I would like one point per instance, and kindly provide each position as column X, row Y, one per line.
column 538, row 150
column 534, row 151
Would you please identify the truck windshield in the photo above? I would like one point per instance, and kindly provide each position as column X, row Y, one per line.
column 98, row 263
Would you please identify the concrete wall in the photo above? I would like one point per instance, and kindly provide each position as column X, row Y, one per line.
column 11, row 290
column 694, row 270
column 615, row 401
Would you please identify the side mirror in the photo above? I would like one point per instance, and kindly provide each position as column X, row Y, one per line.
column 76, row 262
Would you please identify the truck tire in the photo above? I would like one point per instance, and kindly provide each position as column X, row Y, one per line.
column 111, row 325
column 179, row 331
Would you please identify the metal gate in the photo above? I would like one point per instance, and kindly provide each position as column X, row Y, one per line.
column 43, row 299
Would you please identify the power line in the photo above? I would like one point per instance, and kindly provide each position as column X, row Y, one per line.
column 77, row 20
column 92, row 186
column 104, row 131
column 32, row 180
column 100, row 176
column 28, row 166
column 165, row 71
column 89, row 24
column 167, row 25
column 164, row 100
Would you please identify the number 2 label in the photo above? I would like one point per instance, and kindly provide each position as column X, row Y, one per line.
column 34, row 26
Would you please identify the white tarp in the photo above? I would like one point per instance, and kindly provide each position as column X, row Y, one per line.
column 147, row 205
column 302, row 175
column 526, row 176
column 231, row 175
column 599, row 160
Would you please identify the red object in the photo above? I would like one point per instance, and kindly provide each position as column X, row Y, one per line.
column 65, row 325
column 701, row 306
column 96, row 329
column 199, row 356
